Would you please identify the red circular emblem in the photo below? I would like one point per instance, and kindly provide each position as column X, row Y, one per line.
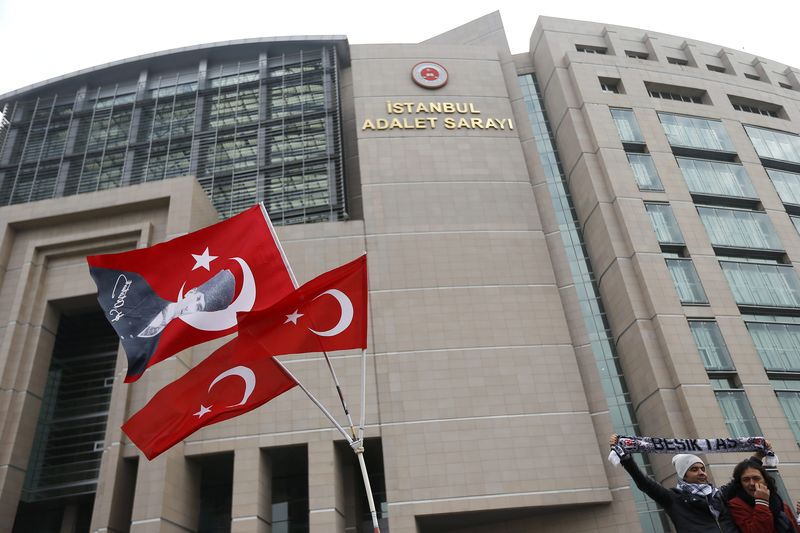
column 429, row 75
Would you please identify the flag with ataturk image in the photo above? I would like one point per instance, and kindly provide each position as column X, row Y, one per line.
column 327, row 313
column 186, row 291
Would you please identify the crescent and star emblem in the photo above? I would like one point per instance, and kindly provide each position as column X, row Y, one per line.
column 247, row 375
column 224, row 318
column 345, row 317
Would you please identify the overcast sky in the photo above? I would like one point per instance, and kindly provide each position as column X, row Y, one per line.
column 40, row 39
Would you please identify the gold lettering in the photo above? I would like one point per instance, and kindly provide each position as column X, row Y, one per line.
column 389, row 106
column 432, row 120
column 368, row 125
column 477, row 123
column 409, row 107
column 382, row 124
column 448, row 107
column 463, row 123
column 491, row 124
column 435, row 107
column 473, row 109
column 461, row 108
column 450, row 123
column 510, row 124
column 396, row 124
column 420, row 123
column 421, row 108
column 397, row 108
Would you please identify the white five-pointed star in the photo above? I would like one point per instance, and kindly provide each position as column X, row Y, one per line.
column 293, row 317
column 203, row 410
column 203, row 260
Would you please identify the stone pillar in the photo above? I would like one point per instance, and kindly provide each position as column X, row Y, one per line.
column 251, row 511
column 326, row 502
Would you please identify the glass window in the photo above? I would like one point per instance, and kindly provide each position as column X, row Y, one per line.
column 787, row 184
column 687, row 282
column 627, row 126
column 716, row 178
column 773, row 144
column 788, row 393
column 711, row 345
column 645, row 172
column 695, row 132
column 736, row 410
column 738, row 228
column 796, row 222
column 777, row 344
column 762, row 285
column 664, row 223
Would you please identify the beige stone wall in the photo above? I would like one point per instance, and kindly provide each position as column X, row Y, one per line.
column 669, row 387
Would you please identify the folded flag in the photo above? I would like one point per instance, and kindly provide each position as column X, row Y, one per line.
column 235, row 379
column 627, row 445
column 186, row 291
column 326, row 314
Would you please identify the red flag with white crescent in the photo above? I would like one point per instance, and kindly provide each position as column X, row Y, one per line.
column 326, row 314
column 235, row 379
column 186, row 291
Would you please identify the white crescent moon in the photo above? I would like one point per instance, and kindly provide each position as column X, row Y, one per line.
column 225, row 318
column 243, row 372
column 347, row 314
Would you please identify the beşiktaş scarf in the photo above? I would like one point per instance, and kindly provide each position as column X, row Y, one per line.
column 628, row 445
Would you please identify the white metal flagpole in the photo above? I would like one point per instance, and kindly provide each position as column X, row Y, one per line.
column 317, row 403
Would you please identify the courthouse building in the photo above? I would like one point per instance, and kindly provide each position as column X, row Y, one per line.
column 598, row 235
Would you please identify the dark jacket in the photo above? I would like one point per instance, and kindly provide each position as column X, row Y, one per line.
column 689, row 512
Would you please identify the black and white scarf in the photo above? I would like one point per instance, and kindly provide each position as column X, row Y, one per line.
column 628, row 445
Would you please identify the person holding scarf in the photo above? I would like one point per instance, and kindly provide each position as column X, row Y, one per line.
column 694, row 506
column 756, row 506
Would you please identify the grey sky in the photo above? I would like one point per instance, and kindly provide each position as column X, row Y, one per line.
column 42, row 39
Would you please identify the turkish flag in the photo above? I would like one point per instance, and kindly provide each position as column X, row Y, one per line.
column 326, row 314
column 186, row 291
column 233, row 380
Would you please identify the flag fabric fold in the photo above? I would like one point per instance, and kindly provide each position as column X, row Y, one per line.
column 328, row 313
column 235, row 379
column 186, row 291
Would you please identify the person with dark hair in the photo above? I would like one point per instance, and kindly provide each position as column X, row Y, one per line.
column 756, row 506
column 694, row 506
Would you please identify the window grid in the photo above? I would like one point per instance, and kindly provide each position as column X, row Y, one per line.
column 738, row 228
column 763, row 285
column 627, row 126
column 252, row 132
column 695, row 132
column 716, row 178
column 664, row 223
column 711, row 345
column 687, row 282
column 644, row 172
column 773, row 144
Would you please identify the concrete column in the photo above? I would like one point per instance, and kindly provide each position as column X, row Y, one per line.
column 326, row 503
column 167, row 497
column 251, row 511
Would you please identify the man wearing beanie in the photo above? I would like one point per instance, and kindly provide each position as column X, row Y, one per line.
column 694, row 505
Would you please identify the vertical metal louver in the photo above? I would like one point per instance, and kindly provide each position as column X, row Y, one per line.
column 263, row 127
column 65, row 459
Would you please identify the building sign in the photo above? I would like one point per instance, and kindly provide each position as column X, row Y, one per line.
column 429, row 75
column 435, row 115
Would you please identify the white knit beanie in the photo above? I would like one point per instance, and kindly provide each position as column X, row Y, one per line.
column 683, row 461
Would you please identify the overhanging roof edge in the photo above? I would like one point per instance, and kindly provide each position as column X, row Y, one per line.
column 340, row 41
